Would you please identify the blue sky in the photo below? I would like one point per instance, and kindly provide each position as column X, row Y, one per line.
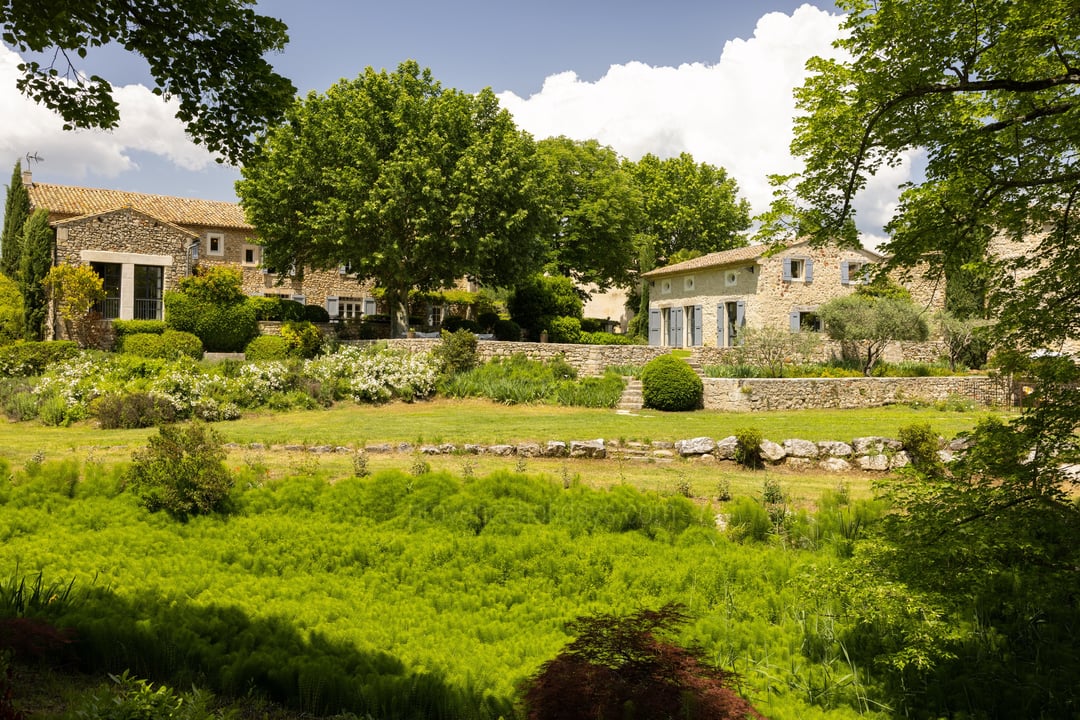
column 710, row 78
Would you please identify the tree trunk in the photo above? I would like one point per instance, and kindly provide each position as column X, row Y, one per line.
column 399, row 314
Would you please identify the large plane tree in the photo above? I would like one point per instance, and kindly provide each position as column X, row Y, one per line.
column 408, row 183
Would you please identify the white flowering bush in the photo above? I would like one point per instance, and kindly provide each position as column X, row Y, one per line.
column 74, row 380
column 376, row 376
column 258, row 381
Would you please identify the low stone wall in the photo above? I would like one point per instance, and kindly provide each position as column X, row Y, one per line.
column 868, row 454
column 895, row 352
column 586, row 359
column 753, row 394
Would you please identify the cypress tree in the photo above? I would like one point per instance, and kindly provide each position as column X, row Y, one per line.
column 34, row 263
column 16, row 211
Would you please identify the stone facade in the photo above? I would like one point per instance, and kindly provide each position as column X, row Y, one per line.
column 705, row 301
column 97, row 225
column 128, row 241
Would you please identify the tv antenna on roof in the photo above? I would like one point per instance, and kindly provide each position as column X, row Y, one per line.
column 34, row 158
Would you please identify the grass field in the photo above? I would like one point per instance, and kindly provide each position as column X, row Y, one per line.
column 483, row 422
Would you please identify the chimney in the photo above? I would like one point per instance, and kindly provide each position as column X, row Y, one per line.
column 27, row 178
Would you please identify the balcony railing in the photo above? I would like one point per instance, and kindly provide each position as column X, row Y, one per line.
column 109, row 308
column 147, row 310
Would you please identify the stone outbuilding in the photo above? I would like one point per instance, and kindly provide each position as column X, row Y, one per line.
column 142, row 245
column 704, row 302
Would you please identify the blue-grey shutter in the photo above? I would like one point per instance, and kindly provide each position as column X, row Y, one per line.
column 300, row 299
column 675, row 327
column 654, row 326
column 332, row 306
column 845, row 277
column 808, row 276
column 721, row 320
column 794, row 317
column 699, row 317
column 369, row 306
column 787, row 269
column 740, row 313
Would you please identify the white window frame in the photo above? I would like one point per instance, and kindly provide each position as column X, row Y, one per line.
column 210, row 238
column 798, row 269
column 255, row 261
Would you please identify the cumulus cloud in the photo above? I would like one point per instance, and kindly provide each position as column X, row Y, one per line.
column 736, row 113
column 147, row 123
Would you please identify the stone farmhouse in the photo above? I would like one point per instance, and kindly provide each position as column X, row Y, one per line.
column 704, row 302
column 142, row 245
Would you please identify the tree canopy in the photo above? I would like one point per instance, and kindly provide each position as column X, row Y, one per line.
column 688, row 205
column 407, row 182
column 988, row 95
column 208, row 54
column 596, row 209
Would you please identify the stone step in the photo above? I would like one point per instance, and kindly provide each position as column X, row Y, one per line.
column 631, row 396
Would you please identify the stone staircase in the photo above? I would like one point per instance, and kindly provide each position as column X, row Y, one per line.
column 631, row 397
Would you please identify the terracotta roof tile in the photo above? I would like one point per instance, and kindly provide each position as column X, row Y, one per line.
column 72, row 201
column 716, row 259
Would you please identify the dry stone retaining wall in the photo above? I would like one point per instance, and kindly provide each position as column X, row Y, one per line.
column 868, row 454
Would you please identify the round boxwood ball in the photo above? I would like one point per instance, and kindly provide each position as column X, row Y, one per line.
column 668, row 383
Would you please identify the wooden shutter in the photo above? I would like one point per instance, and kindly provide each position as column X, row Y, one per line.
column 696, row 337
column 369, row 306
column 845, row 277
column 654, row 326
column 332, row 308
column 808, row 266
column 787, row 269
column 794, row 318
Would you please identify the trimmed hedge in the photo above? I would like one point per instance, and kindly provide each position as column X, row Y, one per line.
column 123, row 328
column 668, row 383
column 170, row 344
column 222, row 328
column 507, row 330
column 316, row 314
column 267, row 347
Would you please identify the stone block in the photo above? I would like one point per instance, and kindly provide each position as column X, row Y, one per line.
column 528, row 450
column 835, row 464
column 725, row 449
column 695, row 446
column 834, row 449
column 555, row 448
column 587, row 449
column 502, row 450
column 871, row 445
column 798, row 463
column 472, row 449
column 899, row 459
column 875, row 463
column 800, row 448
column 772, row 452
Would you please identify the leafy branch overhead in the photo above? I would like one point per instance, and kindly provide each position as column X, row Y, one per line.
column 207, row 54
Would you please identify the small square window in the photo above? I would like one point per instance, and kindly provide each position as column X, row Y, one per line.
column 251, row 255
column 215, row 244
column 798, row 269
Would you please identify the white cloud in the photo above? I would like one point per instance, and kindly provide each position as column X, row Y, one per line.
column 736, row 113
column 147, row 123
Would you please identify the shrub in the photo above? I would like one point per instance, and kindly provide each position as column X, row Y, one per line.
column 123, row 328
column 455, row 323
column 132, row 699
column 668, row 383
column 316, row 314
column 606, row 338
column 564, row 330
column 457, row 352
column 506, row 330
column 169, row 345
column 303, row 338
column 176, row 343
column 221, row 327
column 267, row 347
column 921, row 444
column 182, row 471
column 749, row 520
column 132, row 410
column 748, row 447
column 487, row 320
column 32, row 358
